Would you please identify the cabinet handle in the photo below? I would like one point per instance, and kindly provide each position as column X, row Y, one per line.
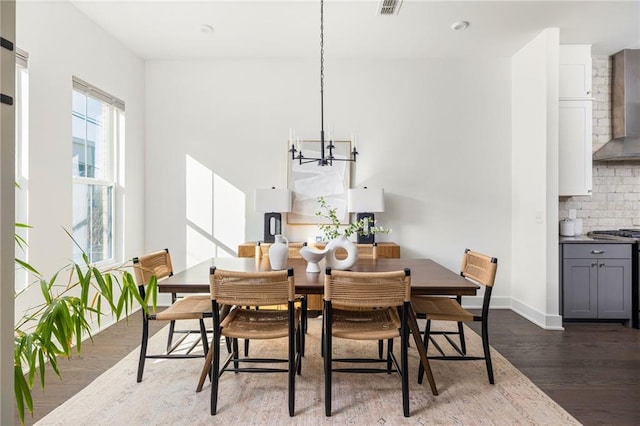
column 594, row 264
column 597, row 251
column 601, row 265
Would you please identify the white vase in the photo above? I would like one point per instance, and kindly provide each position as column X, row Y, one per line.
column 312, row 256
column 348, row 246
column 279, row 253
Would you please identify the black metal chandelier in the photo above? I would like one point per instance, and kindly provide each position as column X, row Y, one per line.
column 327, row 147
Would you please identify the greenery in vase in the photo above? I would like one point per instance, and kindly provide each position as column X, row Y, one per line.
column 53, row 327
column 333, row 230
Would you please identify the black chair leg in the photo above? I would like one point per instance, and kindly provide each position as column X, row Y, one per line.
column 143, row 347
column 234, row 345
column 487, row 351
column 327, row 368
column 425, row 342
column 205, row 340
column 215, row 375
column 303, row 325
column 389, row 352
column 380, row 348
column 299, row 353
column 172, row 327
column 292, row 371
column 463, row 342
column 404, row 362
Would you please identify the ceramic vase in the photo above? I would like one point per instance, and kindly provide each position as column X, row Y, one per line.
column 313, row 256
column 279, row 253
column 333, row 246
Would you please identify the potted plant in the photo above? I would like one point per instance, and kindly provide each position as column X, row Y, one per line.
column 71, row 297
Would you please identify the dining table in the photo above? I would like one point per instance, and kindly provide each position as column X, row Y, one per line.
column 428, row 277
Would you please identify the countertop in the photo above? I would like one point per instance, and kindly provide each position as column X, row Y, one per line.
column 584, row 239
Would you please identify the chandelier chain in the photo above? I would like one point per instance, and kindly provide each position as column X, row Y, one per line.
column 322, row 65
column 326, row 157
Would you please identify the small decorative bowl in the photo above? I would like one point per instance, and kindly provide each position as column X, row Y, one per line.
column 312, row 256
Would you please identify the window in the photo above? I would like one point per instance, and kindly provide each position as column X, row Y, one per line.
column 22, row 163
column 97, row 123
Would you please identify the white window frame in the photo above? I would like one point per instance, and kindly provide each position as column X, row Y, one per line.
column 114, row 136
column 22, row 164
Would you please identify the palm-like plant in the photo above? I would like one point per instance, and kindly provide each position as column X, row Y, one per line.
column 61, row 321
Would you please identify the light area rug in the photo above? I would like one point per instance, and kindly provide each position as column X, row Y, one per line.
column 166, row 395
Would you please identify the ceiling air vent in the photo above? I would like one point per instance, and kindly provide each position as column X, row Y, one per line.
column 389, row 7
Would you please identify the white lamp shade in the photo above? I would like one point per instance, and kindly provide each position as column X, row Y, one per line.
column 368, row 200
column 272, row 200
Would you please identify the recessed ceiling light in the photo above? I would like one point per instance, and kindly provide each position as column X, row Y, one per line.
column 205, row 28
column 459, row 26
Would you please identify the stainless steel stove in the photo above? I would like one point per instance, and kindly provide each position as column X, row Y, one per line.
column 612, row 234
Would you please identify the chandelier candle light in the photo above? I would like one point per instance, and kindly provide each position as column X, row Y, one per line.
column 327, row 147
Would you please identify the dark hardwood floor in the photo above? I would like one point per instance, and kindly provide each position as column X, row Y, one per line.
column 592, row 370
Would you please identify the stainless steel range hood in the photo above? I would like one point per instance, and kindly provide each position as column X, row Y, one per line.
column 625, row 144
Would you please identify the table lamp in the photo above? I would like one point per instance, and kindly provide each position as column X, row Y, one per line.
column 273, row 202
column 364, row 202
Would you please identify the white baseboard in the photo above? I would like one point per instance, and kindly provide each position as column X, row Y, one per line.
column 542, row 320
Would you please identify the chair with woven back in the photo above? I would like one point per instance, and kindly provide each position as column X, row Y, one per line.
column 158, row 264
column 369, row 251
column 245, row 291
column 367, row 306
column 262, row 251
column 480, row 269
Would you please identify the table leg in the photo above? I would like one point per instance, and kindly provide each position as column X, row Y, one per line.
column 415, row 330
column 206, row 368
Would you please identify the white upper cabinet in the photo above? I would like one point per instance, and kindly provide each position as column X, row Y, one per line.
column 574, row 148
column 575, row 71
column 575, row 122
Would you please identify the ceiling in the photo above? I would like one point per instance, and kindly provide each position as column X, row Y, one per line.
column 291, row 29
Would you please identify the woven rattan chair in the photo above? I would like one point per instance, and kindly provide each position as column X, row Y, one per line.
column 294, row 253
column 480, row 269
column 368, row 251
column 159, row 264
column 255, row 289
column 369, row 306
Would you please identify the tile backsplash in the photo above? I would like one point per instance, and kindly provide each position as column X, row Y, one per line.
column 615, row 199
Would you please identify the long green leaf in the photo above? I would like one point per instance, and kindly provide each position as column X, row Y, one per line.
column 27, row 266
column 45, row 288
column 42, row 366
column 19, row 388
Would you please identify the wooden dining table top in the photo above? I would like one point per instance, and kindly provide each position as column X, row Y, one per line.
column 427, row 276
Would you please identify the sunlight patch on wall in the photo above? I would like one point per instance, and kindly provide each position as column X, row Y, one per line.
column 228, row 214
column 199, row 195
column 215, row 214
column 200, row 246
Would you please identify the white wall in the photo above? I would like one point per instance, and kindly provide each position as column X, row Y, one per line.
column 534, row 159
column 63, row 42
column 434, row 133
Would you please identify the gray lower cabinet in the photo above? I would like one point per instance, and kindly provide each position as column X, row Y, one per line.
column 596, row 281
